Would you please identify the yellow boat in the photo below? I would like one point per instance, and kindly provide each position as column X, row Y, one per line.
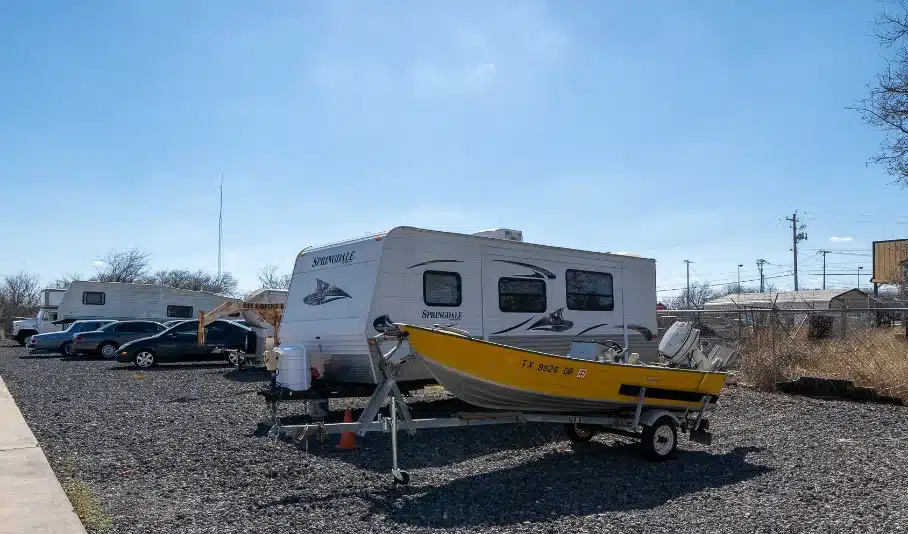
column 501, row 377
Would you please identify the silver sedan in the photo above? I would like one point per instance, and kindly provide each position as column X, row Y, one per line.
column 62, row 341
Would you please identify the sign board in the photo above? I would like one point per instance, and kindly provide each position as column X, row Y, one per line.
column 889, row 259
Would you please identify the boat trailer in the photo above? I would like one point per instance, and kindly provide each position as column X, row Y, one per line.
column 656, row 428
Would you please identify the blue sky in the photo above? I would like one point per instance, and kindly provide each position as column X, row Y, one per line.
column 678, row 130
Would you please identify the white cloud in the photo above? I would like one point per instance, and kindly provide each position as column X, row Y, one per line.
column 98, row 263
column 451, row 54
column 839, row 239
column 481, row 74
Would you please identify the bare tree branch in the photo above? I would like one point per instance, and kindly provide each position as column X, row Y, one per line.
column 123, row 266
column 193, row 280
column 19, row 294
column 886, row 105
column 270, row 279
column 64, row 281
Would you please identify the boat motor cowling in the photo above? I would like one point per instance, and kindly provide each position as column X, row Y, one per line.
column 681, row 346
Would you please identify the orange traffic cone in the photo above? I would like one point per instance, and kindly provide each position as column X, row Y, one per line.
column 348, row 439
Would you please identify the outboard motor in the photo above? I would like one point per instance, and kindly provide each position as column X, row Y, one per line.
column 681, row 346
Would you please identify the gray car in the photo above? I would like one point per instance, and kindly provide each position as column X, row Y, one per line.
column 108, row 339
column 62, row 341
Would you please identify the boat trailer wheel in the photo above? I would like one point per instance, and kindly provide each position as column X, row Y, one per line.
column 660, row 439
column 579, row 433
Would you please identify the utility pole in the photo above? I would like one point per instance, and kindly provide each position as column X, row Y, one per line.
column 220, row 226
column 760, row 263
column 688, row 262
column 796, row 236
column 824, row 253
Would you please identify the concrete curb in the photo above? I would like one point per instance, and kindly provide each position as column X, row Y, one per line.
column 31, row 498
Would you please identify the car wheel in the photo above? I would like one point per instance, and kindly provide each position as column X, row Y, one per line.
column 108, row 350
column 66, row 349
column 144, row 359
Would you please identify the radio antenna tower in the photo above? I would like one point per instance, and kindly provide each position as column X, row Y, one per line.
column 220, row 226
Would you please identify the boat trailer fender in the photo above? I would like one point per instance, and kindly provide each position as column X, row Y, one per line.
column 649, row 417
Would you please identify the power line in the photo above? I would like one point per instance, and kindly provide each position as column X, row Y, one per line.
column 726, row 283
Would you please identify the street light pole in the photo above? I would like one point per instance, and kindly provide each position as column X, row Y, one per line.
column 739, row 277
column 859, row 276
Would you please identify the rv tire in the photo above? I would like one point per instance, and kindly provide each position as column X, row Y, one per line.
column 660, row 439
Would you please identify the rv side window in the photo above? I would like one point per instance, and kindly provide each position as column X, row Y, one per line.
column 589, row 291
column 180, row 312
column 521, row 295
column 441, row 288
column 93, row 298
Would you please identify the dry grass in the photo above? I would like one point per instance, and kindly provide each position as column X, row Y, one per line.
column 871, row 358
column 83, row 499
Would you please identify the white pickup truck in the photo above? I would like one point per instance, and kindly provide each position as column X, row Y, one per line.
column 43, row 322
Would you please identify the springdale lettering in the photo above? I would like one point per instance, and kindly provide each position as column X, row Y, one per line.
column 346, row 257
column 452, row 315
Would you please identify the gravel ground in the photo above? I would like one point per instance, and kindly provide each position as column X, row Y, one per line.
column 175, row 449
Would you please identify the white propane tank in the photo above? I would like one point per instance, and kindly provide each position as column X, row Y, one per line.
column 293, row 368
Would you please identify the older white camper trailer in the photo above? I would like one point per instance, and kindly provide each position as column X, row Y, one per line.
column 493, row 285
column 116, row 300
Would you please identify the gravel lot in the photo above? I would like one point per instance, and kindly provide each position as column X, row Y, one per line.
column 175, row 450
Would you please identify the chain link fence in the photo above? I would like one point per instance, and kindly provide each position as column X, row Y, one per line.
column 734, row 327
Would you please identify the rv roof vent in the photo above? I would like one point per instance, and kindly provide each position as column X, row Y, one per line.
column 502, row 233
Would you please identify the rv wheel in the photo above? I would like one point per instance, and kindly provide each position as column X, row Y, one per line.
column 579, row 433
column 660, row 440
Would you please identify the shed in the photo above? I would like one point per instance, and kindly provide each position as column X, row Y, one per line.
column 822, row 300
column 811, row 299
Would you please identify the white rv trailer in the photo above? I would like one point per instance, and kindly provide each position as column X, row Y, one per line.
column 493, row 285
column 117, row 300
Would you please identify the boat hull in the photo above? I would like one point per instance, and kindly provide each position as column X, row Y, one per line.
column 507, row 378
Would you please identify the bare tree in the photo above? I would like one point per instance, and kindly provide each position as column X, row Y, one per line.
column 64, row 281
column 123, row 266
column 194, row 280
column 19, row 294
column 700, row 294
column 270, row 279
column 886, row 105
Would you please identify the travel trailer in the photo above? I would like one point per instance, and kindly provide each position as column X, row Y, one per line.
column 492, row 285
column 43, row 322
column 117, row 300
